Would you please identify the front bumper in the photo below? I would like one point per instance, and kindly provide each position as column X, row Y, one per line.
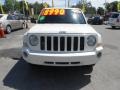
column 113, row 24
column 62, row 59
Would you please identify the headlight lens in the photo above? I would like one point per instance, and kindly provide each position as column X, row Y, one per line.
column 33, row 40
column 91, row 40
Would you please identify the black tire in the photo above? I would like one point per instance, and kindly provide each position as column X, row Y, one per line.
column 26, row 25
column 23, row 26
column 113, row 27
column 8, row 29
column 90, row 66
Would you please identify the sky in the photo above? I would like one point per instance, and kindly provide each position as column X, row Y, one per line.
column 61, row 3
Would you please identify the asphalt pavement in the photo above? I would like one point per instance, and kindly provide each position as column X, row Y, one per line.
column 16, row 74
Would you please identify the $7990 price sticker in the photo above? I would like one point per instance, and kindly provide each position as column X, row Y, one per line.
column 47, row 12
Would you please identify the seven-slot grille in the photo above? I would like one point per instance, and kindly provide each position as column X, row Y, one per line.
column 62, row 43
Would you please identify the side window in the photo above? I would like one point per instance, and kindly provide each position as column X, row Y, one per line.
column 16, row 17
column 115, row 15
column 9, row 17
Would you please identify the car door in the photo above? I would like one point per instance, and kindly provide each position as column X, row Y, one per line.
column 22, row 20
column 18, row 21
column 118, row 20
column 115, row 19
column 11, row 21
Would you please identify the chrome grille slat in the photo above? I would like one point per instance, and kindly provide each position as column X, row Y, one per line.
column 45, row 43
column 72, row 43
column 40, row 43
column 52, row 43
column 59, row 43
column 65, row 44
column 78, row 43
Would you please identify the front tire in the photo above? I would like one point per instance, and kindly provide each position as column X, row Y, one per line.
column 90, row 66
column 8, row 29
column 23, row 26
column 113, row 27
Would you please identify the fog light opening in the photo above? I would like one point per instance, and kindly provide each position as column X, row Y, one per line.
column 99, row 54
column 25, row 54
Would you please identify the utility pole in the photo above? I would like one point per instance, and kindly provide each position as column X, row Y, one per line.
column 52, row 3
column 23, row 8
column 13, row 5
column 104, row 7
column 1, row 8
column 65, row 3
column 68, row 3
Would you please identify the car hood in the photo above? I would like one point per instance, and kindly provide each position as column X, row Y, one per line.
column 59, row 28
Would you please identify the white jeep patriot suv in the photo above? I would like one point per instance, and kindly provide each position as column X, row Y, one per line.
column 62, row 37
column 114, row 20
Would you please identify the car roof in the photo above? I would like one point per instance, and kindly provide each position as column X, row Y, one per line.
column 3, row 14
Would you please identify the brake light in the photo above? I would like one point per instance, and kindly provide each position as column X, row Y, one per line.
column 118, row 20
column 0, row 24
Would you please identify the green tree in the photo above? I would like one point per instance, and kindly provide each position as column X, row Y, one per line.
column 89, row 9
column 114, row 6
column 100, row 11
column 38, row 7
column 111, row 7
column 17, row 5
column 8, row 5
column 108, row 7
column 11, row 5
column 22, row 8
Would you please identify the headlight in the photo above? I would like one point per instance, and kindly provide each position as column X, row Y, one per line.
column 33, row 40
column 91, row 40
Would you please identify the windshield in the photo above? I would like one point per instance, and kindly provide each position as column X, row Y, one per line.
column 69, row 16
column 115, row 15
